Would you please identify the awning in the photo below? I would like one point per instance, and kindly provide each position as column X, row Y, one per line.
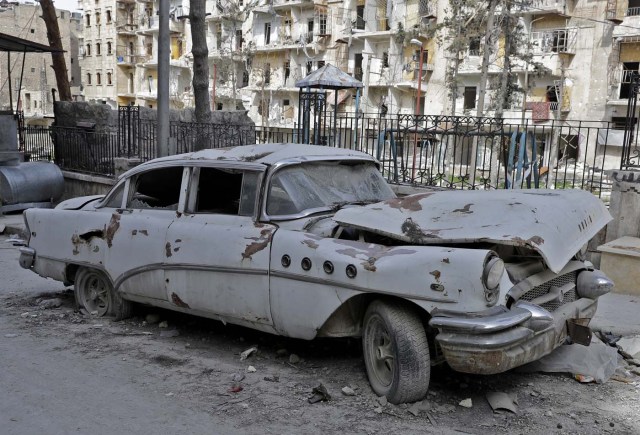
column 12, row 43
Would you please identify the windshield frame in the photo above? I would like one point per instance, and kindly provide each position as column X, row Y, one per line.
column 264, row 216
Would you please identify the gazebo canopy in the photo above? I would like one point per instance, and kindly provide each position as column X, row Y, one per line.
column 329, row 77
column 12, row 43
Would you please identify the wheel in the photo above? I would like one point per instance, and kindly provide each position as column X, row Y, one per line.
column 396, row 352
column 95, row 294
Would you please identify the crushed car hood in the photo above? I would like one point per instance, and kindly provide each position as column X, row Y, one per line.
column 555, row 223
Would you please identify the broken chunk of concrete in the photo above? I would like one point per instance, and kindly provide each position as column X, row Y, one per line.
column 348, row 391
column 47, row 304
column 499, row 400
column 466, row 403
column 247, row 353
column 320, row 394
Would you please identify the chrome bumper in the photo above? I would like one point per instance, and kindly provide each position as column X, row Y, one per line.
column 499, row 339
column 27, row 257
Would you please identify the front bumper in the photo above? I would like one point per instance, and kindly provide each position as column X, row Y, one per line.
column 500, row 339
column 27, row 257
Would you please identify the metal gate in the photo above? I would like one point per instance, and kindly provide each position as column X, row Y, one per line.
column 128, row 130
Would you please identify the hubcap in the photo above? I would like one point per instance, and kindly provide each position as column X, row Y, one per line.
column 380, row 351
column 95, row 294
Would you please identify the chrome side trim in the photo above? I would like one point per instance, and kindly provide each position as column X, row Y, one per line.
column 323, row 281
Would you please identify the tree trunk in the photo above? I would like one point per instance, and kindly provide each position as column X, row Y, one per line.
column 53, row 35
column 197, row 13
column 503, row 91
column 484, row 71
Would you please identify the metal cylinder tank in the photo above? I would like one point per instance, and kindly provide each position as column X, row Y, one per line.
column 30, row 182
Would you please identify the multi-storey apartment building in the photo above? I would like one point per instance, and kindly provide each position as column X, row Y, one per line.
column 119, row 53
column 24, row 20
column 258, row 49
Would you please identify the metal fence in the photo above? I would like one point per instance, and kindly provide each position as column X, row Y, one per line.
column 478, row 153
column 446, row 151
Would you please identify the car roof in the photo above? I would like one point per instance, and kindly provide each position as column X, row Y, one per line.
column 267, row 154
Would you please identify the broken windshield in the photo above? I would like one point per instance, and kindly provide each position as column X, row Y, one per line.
column 310, row 187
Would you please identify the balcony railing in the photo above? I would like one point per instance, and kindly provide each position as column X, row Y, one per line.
column 633, row 12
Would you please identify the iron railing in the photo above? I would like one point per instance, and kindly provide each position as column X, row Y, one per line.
column 37, row 143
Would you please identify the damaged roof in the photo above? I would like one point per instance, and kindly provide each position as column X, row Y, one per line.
column 329, row 77
column 263, row 154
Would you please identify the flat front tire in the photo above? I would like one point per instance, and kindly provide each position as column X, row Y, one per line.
column 396, row 351
column 95, row 295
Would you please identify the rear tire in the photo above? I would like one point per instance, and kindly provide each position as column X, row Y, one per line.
column 95, row 295
column 396, row 352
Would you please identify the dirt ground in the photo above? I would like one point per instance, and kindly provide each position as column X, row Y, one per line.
column 196, row 364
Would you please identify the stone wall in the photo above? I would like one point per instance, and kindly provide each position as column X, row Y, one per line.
column 76, row 184
column 69, row 114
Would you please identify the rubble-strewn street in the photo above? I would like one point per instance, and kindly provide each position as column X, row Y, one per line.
column 164, row 372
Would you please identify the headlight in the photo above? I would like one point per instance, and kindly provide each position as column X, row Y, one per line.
column 493, row 271
column 491, row 276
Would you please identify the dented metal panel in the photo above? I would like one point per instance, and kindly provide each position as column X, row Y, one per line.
column 302, row 300
column 219, row 264
column 554, row 223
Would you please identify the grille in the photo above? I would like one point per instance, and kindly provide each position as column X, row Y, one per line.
column 543, row 289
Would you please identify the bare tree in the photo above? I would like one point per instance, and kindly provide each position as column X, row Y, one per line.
column 200, row 81
column 57, row 57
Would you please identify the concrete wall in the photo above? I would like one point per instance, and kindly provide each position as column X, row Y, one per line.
column 68, row 114
column 76, row 184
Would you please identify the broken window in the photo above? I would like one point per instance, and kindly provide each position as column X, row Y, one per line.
column 226, row 191
column 469, row 97
column 267, row 33
column 474, row 47
column 157, row 189
column 628, row 69
column 114, row 199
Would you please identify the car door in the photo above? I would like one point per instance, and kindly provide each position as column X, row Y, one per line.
column 217, row 253
column 139, row 231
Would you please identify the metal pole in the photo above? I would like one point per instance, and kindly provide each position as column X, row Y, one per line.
column 162, row 89
column 9, row 77
column 24, row 53
column 355, row 130
column 415, row 142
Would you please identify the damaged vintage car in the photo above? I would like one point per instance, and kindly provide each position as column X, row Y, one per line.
column 308, row 241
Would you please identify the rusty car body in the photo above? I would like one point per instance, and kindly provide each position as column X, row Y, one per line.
column 308, row 241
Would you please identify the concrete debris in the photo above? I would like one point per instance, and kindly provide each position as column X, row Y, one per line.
column 418, row 407
column 169, row 394
column 320, row 394
column 597, row 360
column 169, row 333
column 502, row 401
column 10, row 335
column 251, row 369
column 47, row 304
column 630, row 345
column 247, row 353
column 382, row 400
column 378, row 410
column 163, row 324
column 466, row 403
column 236, row 389
column 348, row 391
column 294, row 359
column 272, row 378
column 152, row 319
column 237, row 377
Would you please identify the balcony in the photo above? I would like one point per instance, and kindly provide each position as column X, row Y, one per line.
column 124, row 58
column 150, row 24
column 540, row 7
column 126, row 29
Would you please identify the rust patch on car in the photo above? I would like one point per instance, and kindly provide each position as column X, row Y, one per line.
column 178, row 302
column 466, row 209
column 167, row 250
column 310, row 243
column 178, row 214
column 143, row 232
column 176, row 249
column 75, row 241
column 370, row 264
column 412, row 230
column 445, row 260
column 112, row 229
column 534, row 240
column 258, row 244
column 411, row 202
column 436, row 274
column 178, row 240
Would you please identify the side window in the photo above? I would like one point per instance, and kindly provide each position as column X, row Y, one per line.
column 226, row 191
column 156, row 189
column 115, row 197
